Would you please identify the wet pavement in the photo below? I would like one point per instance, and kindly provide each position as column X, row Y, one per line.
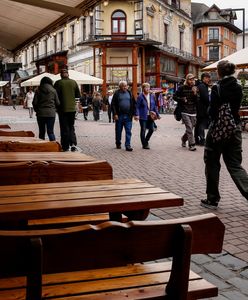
column 169, row 166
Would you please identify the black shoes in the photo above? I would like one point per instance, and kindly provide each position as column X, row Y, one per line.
column 146, row 147
column 129, row 148
column 118, row 146
column 74, row 148
column 209, row 204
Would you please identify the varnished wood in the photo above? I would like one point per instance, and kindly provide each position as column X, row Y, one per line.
column 107, row 252
column 65, row 198
column 30, row 146
column 6, row 126
column 16, row 133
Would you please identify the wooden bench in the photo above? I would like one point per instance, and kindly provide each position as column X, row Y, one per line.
column 42, row 172
column 6, row 126
column 31, row 146
column 102, row 262
column 16, row 133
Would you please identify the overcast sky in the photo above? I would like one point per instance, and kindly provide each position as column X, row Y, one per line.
column 230, row 4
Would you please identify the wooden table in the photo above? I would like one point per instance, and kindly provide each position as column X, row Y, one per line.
column 32, row 201
column 45, row 156
column 20, row 139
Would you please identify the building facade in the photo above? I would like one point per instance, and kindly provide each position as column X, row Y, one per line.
column 136, row 41
column 215, row 35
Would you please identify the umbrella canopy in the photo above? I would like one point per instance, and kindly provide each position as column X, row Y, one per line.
column 35, row 81
column 82, row 78
column 3, row 83
column 239, row 58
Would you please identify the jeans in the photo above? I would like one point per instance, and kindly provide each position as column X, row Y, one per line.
column 46, row 123
column 144, row 125
column 125, row 121
column 67, row 129
column 231, row 151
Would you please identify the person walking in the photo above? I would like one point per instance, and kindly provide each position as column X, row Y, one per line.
column 13, row 98
column 67, row 90
column 146, row 111
column 96, row 105
column 202, row 118
column 228, row 91
column 108, row 101
column 186, row 96
column 46, row 103
column 84, row 103
column 123, row 107
column 29, row 102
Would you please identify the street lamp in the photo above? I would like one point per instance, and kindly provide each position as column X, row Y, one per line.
column 243, row 10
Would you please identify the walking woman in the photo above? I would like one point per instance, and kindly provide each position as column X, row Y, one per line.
column 45, row 105
column 186, row 96
column 228, row 91
column 97, row 104
column 146, row 112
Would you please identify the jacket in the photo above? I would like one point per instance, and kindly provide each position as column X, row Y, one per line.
column 202, row 101
column 230, row 92
column 46, row 101
column 115, row 104
column 188, row 107
column 142, row 106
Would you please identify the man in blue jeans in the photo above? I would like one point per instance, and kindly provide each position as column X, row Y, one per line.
column 123, row 106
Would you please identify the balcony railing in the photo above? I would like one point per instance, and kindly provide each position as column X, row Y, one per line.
column 181, row 53
column 215, row 40
column 99, row 37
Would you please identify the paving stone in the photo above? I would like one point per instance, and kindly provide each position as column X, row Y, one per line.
column 201, row 259
column 234, row 295
column 221, row 284
column 232, row 262
column 244, row 273
column 219, row 270
column 240, row 284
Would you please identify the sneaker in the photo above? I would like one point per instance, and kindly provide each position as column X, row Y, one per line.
column 118, row 146
column 192, row 148
column 209, row 204
column 129, row 148
column 183, row 144
column 146, row 147
column 74, row 148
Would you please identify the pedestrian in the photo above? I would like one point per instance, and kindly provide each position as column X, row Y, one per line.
column 146, row 111
column 202, row 118
column 186, row 96
column 108, row 101
column 67, row 90
column 228, row 91
column 46, row 103
column 13, row 98
column 85, row 104
column 29, row 102
column 123, row 107
column 96, row 105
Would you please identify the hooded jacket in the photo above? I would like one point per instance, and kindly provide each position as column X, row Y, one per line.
column 46, row 101
column 229, row 92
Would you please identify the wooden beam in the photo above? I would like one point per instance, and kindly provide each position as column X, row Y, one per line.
column 52, row 6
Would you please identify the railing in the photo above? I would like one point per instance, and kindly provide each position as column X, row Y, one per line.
column 99, row 37
column 215, row 40
column 180, row 53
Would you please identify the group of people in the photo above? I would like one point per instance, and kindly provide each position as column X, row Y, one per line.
column 48, row 100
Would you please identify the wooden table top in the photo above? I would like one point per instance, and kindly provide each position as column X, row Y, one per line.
column 25, row 139
column 32, row 201
column 6, row 157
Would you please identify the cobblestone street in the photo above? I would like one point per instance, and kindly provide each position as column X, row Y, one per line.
column 171, row 167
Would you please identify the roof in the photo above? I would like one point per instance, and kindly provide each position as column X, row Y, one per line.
column 201, row 17
column 22, row 20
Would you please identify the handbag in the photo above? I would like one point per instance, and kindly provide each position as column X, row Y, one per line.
column 178, row 113
column 223, row 127
column 153, row 115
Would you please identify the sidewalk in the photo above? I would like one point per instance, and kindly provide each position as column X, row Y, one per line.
column 178, row 170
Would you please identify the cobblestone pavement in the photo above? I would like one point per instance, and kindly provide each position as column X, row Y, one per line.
column 178, row 170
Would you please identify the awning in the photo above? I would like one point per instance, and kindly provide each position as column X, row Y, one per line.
column 3, row 83
column 172, row 78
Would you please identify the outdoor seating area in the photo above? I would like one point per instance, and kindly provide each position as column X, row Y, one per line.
column 70, row 230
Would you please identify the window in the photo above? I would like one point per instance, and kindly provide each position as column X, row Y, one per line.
column 213, row 34
column 181, row 40
column 165, row 34
column 226, row 50
column 175, row 3
column 37, row 50
column 72, row 35
column 199, row 51
column 45, row 46
column 55, row 43
column 199, row 34
column 83, row 29
column 214, row 53
column 61, row 39
column 32, row 53
column 118, row 22
column 91, row 25
column 226, row 33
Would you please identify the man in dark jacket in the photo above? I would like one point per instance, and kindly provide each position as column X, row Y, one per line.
column 202, row 118
column 123, row 106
